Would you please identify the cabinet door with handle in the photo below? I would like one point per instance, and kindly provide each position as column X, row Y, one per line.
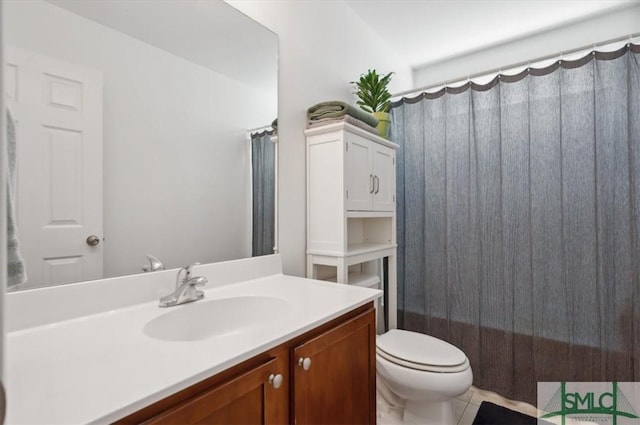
column 384, row 169
column 370, row 175
column 359, row 178
column 258, row 396
column 334, row 375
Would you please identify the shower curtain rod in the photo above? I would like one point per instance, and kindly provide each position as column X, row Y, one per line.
column 446, row 83
column 261, row 128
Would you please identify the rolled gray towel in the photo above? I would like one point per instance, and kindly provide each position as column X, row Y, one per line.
column 337, row 109
column 346, row 119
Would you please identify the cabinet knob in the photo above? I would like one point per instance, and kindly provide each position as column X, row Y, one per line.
column 376, row 181
column 276, row 380
column 304, row 362
column 372, row 185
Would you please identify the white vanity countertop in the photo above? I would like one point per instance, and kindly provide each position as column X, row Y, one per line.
column 102, row 367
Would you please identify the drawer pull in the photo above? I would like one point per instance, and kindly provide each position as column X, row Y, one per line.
column 276, row 380
column 305, row 363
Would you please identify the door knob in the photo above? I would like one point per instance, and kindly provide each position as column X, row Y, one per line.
column 276, row 380
column 93, row 240
column 305, row 363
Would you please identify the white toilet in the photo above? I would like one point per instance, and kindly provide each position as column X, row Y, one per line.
column 425, row 371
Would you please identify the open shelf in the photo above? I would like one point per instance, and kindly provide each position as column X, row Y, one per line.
column 369, row 230
column 370, row 214
column 366, row 248
column 355, row 249
column 366, row 280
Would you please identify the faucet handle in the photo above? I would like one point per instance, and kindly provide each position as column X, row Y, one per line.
column 188, row 270
column 184, row 274
column 198, row 281
column 154, row 264
column 190, row 266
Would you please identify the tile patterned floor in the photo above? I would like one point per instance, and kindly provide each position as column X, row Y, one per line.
column 465, row 407
column 466, row 412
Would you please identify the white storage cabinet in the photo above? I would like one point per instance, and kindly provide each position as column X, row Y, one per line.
column 351, row 214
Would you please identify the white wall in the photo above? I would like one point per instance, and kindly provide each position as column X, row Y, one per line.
column 3, row 200
column 323, row 46
column 617, row 23
column 175, row 150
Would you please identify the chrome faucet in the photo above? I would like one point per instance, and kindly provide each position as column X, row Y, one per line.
column 154, row 264
column 185, row 291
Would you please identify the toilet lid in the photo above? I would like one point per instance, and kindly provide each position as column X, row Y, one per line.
column 420, row 351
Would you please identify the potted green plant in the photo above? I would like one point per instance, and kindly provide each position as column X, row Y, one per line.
column 374, row 97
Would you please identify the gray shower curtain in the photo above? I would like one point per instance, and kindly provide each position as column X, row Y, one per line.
column 519, row 222
column 263, row 164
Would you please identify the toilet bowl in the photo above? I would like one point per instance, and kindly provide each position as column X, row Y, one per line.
column 425, row 371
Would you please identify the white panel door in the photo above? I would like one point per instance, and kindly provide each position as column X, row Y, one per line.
column 57, row 107
column 358, row 173
column 384, row 160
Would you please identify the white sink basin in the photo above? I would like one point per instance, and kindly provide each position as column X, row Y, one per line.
column 218, row 317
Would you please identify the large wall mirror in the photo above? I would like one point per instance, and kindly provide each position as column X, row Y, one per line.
column 139, row 129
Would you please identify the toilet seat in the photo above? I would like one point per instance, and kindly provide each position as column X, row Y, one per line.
column 421, row 352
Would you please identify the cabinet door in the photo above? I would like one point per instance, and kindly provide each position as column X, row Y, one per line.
column 338, row 387
column 384, row 160
column 247, row 399
column 358, row 173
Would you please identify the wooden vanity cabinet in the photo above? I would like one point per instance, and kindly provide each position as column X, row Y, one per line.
column 336, row 384
column 334, row 376
column 247, row 399
column 239, row 395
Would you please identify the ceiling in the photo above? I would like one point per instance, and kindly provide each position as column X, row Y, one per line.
column 425, row 32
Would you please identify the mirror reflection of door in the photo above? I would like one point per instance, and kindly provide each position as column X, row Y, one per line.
column 175, row 164
column 57, row 108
